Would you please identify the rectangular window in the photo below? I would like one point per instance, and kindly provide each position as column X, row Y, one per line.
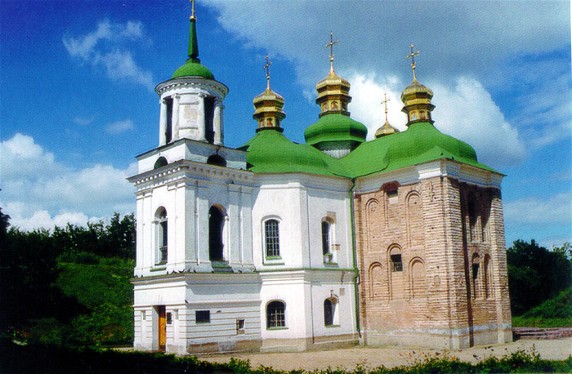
column 169, row 318
column 239, row 326
column 203, row 316
column 396, row 263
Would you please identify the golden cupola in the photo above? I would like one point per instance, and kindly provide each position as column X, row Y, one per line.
column 416, row 97
column 386, row 128
column 268, row 106
column 333, row 90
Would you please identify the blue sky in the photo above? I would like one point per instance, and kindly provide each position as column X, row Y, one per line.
column 77, row 101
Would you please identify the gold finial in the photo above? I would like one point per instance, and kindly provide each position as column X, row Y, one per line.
column 267, row 70
column 412, row 55
column 385, row 100
column 193, row 10
column 331, row 46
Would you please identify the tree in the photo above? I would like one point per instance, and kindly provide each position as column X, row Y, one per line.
column 536, row 274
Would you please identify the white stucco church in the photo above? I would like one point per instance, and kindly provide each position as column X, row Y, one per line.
column 276, row 246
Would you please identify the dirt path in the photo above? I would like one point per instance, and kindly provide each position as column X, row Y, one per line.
column 372, row 357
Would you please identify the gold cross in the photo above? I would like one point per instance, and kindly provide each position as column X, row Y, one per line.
column 331, row 46
column 193, row 9
column 385, row 100
column 267, row 70
column 412, row 55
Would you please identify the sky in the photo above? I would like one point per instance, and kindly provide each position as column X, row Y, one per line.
column 77, row 100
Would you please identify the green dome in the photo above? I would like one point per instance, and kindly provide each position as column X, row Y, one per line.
column 193, row 69
column 421, row 143
column 335, row 127
column 269, row 151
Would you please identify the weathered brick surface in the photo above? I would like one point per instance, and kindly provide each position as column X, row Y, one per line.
column 452, row 290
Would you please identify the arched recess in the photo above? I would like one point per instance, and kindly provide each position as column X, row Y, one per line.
column 373, row 218
column 415, row 227
column 487, row 273
column 161, row 236
column 417, row 275
column 217, row 218
column 376, row 283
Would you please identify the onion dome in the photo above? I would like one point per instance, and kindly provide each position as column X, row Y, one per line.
column 417, row 103
column 416, row 97
column 335, row 133
column 386, row 128
column 268, row 106
column 193, row 66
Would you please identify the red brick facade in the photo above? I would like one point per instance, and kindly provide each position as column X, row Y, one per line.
column 432, row 265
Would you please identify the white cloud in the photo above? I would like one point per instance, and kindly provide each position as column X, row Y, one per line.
column 37, row 191
column 533, row 210
column 105, row 48
column 465, row 111
column 119, row 127
column 468, row 112
column 83, row 121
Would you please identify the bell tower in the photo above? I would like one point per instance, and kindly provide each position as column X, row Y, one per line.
column 192, row 100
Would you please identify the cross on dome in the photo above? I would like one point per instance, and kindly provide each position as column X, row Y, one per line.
column 267, row 70
column 331, row 46
column 412, row 55
column 385, row 100
column 193, row 10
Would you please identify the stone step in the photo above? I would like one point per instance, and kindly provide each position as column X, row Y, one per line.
column 541, row 333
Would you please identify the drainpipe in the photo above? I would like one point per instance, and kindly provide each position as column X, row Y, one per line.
column 354, row 254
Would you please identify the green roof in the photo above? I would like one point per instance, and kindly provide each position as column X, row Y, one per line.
column 269, row 151
column 193, row 69
column 335, row 127
column 420, row 143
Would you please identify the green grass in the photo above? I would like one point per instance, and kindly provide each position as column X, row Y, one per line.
column 555, row 312
column 50, row 359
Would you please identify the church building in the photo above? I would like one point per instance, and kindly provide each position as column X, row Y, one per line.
column 280, row 246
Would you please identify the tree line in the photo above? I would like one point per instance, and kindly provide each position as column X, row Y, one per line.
column 71, row 285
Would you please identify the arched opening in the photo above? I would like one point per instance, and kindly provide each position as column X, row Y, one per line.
column 162, row 236
column 216, row 226
column 275, row 314
column 216, row 160
column 331, row 311
column 396, row 272
column 209, row 119
column 161, row 161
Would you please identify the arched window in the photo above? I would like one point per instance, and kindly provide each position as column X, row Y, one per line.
column 275, row 314
column 396, row 261
column 272, row 238
column 331, row 311
column 326, row 239
column 216, row 226
column 216, row 160
column 161, row 161
column 162, row 236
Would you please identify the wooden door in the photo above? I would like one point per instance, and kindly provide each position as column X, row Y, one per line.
column 162, row 327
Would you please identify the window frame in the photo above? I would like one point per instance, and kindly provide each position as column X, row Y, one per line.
column 276, row 318
column 271, row 243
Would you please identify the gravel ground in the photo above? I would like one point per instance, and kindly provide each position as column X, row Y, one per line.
column 372, row 357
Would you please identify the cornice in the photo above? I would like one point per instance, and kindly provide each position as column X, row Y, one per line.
column 191, row 82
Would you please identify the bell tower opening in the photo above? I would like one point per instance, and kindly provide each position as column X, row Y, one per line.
column 209, row 119
column 169, row 119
